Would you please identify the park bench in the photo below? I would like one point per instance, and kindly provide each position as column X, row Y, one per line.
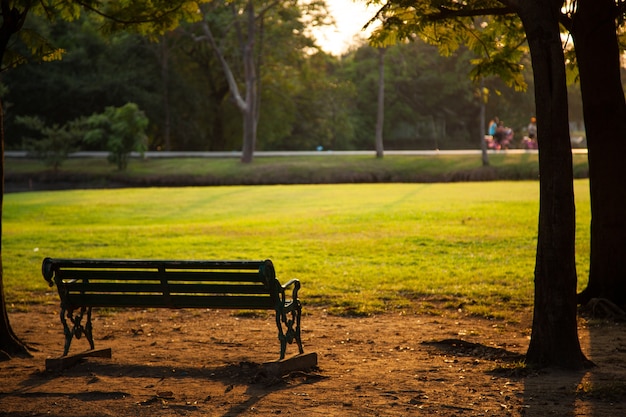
column 243, row 285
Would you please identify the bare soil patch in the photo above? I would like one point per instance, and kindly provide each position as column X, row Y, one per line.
column 206, row 363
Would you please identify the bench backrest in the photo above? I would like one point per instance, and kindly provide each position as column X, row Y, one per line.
column 166, row 284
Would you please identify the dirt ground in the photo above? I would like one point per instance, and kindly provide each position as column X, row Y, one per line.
column 208, row 363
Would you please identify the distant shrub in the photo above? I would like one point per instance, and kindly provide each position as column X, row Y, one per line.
column 54, row 143
column 120, row 130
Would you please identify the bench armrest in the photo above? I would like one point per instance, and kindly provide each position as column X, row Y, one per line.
column 295, row 283
column 296, row 287
column 47, row 269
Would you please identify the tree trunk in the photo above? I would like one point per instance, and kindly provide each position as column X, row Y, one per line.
column 554, row 339
column 249, row 114
column 604, row 108
column 483, row 122
column 380, row 116
column 10, row 344
column 249, row 136
column 164, row 61
column 246, row 105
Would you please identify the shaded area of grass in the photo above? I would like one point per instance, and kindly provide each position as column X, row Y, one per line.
column 26, row 174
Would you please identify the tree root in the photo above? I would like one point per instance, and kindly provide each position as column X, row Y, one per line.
column 601, row 308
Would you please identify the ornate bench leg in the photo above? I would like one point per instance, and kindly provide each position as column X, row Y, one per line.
column 69, row 334
column 88, row 329
column 281, row 335
column 298, row 314
column 290, row 334
column 77, row 329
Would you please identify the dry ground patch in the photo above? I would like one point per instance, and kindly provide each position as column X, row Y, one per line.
column 205, row 363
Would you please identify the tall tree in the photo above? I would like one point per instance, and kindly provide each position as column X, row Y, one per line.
column 249, row 21
column 12, row 21
column 247, row 102
column 554, row 339
column 593, row 28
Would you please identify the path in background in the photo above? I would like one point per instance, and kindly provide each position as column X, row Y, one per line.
column 237, row 154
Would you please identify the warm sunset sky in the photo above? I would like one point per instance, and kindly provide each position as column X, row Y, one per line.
column 350, row 17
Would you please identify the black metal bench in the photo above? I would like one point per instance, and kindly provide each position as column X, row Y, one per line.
column 242, row 285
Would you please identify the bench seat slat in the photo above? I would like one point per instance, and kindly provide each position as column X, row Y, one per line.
column 122, row 275
column 159, row 288
column 174, row 301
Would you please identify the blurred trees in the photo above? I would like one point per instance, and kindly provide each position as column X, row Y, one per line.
column 51, row 144
column 308, row 98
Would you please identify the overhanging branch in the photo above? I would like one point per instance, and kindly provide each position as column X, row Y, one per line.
column 141, row 19
column 447, row 13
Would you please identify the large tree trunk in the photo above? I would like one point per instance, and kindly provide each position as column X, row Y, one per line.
column 594, row 32
column 554, row 339
column 10, row 345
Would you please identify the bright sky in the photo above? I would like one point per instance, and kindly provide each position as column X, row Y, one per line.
column 350, row 17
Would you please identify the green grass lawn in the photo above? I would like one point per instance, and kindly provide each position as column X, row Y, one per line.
column 357, row 248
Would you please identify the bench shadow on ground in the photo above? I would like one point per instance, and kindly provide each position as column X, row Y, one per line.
column 254, row 377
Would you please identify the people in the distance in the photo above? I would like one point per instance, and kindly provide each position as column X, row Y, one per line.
column 530, row 141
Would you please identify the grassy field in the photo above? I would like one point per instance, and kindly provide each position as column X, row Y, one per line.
column 357, row 248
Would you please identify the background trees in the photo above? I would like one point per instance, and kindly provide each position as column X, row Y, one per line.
column 308, row 98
